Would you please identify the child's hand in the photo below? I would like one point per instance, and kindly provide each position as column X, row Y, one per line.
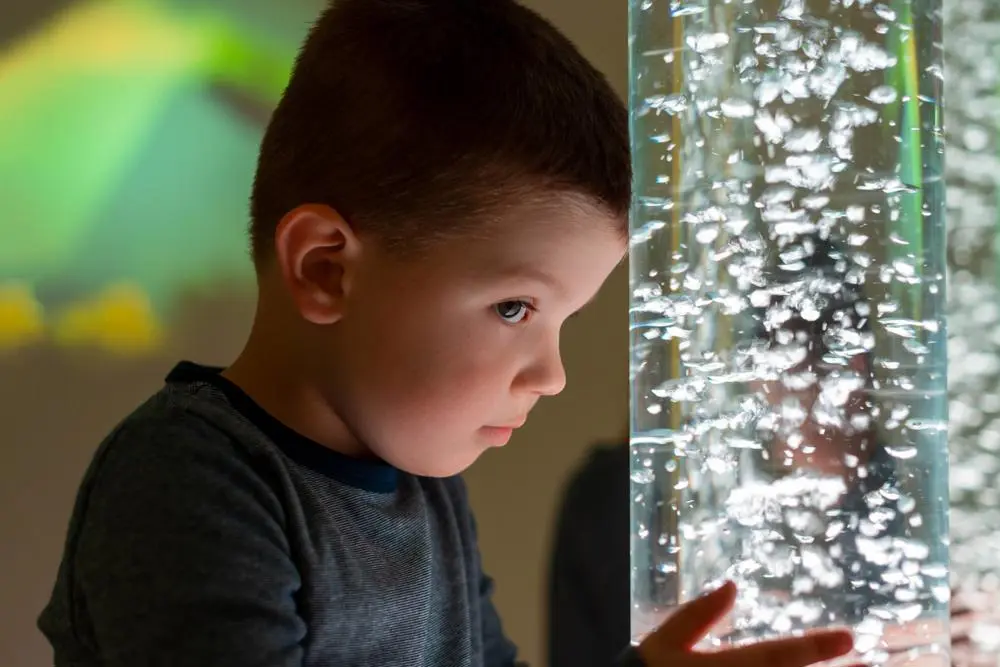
column 671, row 644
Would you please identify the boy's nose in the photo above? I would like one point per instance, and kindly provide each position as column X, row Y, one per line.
column 554, row 380
column 547, row 376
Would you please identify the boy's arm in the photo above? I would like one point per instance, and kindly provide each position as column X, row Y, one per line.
column 181, row 558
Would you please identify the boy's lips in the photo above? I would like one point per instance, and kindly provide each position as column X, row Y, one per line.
column 499, row 435
column 513, row 424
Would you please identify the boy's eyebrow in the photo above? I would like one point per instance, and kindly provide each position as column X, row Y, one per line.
column 539, row 276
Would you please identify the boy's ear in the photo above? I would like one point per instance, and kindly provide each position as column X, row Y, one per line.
column 318, row 252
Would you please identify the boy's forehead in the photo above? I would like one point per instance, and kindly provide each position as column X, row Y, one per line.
column 564, row 260
column 554, row 218
column 532, row 236
column 547, row 253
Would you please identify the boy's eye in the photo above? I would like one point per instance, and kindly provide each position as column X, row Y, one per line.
column 513, row 312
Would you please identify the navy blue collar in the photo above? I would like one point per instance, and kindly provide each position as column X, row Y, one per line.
column 376, row 476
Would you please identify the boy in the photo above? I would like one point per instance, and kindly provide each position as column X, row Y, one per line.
column 442, row 185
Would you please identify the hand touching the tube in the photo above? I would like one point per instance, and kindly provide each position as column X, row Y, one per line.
column 672, row 644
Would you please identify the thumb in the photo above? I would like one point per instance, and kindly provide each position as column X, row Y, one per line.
column 692, row 621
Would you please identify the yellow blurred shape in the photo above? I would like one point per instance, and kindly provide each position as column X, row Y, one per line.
column 22, row 320
column 120, row 319
column 107, row 34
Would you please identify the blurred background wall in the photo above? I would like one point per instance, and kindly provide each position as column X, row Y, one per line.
column 128, row 130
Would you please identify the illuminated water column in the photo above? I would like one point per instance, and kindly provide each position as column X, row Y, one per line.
column 789, row 409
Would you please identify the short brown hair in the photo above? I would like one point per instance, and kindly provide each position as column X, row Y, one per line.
column 415, row 118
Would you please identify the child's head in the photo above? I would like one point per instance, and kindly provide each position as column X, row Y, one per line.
column 443, row 183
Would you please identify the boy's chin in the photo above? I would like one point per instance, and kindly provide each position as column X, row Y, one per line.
column 446, row 466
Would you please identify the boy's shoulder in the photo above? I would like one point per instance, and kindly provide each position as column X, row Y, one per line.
column 184, row 425
column 178, row 411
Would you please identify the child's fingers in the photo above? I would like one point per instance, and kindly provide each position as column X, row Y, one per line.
column 793, row 652
column 692, row 621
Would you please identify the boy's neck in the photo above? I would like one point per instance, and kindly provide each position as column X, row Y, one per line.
column 277, row 386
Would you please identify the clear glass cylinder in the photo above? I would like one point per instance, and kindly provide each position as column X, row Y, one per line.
column 788, row 370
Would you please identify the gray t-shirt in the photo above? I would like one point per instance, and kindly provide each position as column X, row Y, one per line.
column 208, row 533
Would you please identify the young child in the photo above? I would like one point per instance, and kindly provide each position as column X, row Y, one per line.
column 443, row 184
